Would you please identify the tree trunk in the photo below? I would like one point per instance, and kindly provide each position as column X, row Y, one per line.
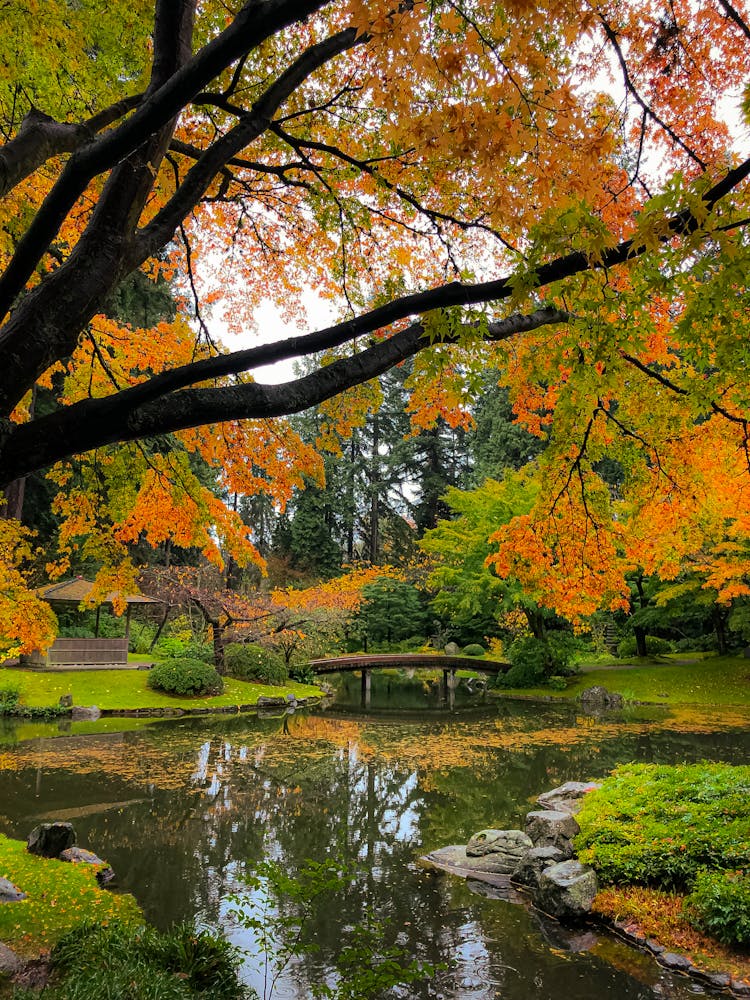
column 640, row 640
column 12, row 507
column 719, row 619
column 218, row 632
column 374, row 487
column 535, row 618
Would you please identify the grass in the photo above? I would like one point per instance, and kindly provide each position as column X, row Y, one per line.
column 719, row 680
column 60, row 897
column 127, row 689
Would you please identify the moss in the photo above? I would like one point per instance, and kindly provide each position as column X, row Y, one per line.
column 60, row 896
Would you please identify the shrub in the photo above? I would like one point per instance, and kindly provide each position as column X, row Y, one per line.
column 187, row 677
column 660, row 825
column 251, row 662
column 10, row 695
column 303, row 673
column 171, row 647
column 533, row 660
column 473, row 649
column 720, row 905
column 141, row 963
column 654, row 645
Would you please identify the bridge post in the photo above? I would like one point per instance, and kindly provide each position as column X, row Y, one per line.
column 449, row 684
column 366, row 687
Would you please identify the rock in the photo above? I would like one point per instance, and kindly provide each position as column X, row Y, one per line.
column 740, row 988
column 566, row 890
column 10, row 893
column 80, row 856
column 291, row 699
column 674, row 962
column 533, row 863
column 550, row 828
column 567, row 797
column 88, row 713
column 66, row 701
column 10, row 963
column 455, row 856
column 452, row 649
column 269, row 702
column 599, row 699
column 50, row 839
column 719, row 979
column 513, row 843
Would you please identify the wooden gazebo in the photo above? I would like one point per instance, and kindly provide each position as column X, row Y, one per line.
column 84, row 652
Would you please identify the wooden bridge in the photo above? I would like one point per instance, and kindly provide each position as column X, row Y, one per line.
column 410, row 661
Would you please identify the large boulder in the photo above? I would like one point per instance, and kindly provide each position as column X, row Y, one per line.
column 85, row 713
column 599, row 699
column 566, row 890
column 550, row 828
column 455, row 857
column 50, row 839
column 529, row 869
column 512, row 844
column 567, row 797
column 10, row 893
column 452, row 649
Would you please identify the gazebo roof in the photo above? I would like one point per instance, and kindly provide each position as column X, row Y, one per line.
column 78, row 589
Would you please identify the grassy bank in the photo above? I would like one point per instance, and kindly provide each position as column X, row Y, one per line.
column 60, row 896
column 127, row 689
column 720, row 680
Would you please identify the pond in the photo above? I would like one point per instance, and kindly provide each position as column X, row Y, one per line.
column 183, row 808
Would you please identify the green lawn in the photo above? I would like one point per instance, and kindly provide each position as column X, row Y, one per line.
column 59, row 895
column 127, row 689
column 720, row 680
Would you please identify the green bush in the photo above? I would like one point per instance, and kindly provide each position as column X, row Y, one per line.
column 533, row 661
column 720, row 905
column 141, row 963
column 303, row 673
column 10, row 695
column 473, row 649
column 654, row 646
column 170, row 647
column 251, row 662
column 186, row 677
column 661, row 825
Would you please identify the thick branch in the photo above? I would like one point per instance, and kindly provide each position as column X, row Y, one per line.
column 92, row 423
column 254, row 23
column 40, row 138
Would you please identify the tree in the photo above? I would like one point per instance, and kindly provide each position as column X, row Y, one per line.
column 507, row 208
column 467, row 590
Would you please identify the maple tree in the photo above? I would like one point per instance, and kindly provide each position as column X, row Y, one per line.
column 554, row 190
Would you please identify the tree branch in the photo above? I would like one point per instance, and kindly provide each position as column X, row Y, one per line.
column 254, row 23
column 40, row 138
column 92, row 423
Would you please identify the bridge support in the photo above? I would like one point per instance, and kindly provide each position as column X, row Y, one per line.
column 366, row 687
column 449, row 687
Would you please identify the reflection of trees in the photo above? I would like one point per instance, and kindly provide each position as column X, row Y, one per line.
column 220, row 793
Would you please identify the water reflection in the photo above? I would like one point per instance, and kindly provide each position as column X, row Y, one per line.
column 183, row 808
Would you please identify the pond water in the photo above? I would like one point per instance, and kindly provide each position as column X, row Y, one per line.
column 183, row 808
